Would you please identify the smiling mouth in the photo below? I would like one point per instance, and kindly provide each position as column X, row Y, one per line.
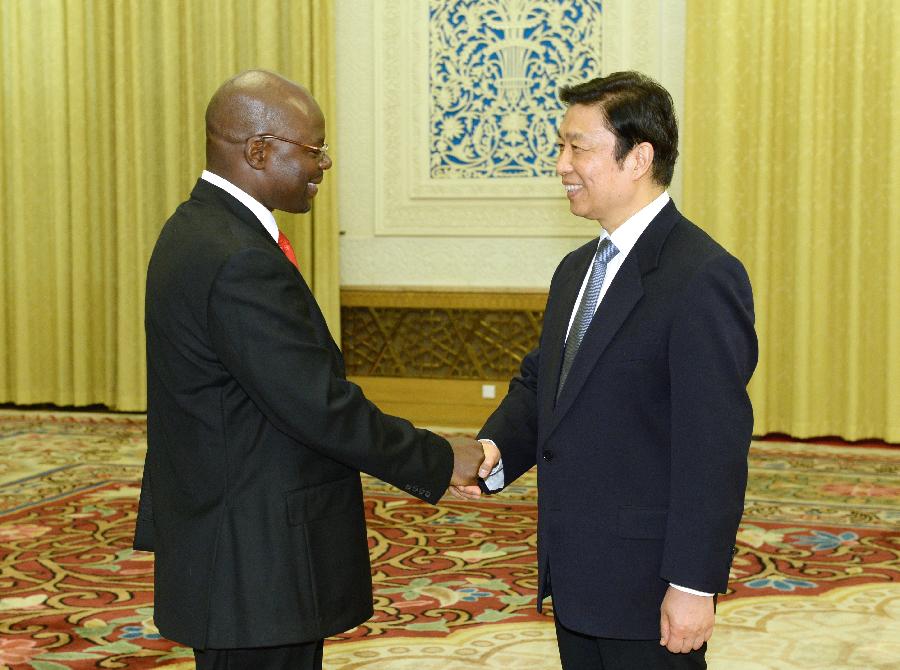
column 312, row 186
column 572, row 189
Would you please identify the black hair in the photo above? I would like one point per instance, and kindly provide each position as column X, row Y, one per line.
column 637, row 109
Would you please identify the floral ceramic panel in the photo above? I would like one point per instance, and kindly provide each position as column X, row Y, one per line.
column 495, row 70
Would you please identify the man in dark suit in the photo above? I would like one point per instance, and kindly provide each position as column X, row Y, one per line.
column 634, row 406
column 251, row 498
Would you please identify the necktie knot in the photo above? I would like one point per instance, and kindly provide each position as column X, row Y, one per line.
column 606, row 251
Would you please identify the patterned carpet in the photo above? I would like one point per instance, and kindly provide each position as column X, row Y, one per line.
column 815, row 584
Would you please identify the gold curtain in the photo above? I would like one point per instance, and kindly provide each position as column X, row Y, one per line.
column 791, row 144
column 101, row 123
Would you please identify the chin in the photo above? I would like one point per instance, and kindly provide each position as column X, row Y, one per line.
column 584, row 212
column 300, row 208
column 578, row 211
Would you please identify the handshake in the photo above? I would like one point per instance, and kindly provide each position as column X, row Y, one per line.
column 471, row 459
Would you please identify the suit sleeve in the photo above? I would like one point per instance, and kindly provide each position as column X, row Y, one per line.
column 513, row 425
column 712, row 355
column 259, row 323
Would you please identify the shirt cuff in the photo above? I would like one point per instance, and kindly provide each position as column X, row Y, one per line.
column 495, row 481
column 692, row 591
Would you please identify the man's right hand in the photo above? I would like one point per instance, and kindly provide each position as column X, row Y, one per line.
column 491, row 458
column 467, row 456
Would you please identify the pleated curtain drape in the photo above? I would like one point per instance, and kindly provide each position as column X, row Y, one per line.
column 791, row 157
column 101, row 124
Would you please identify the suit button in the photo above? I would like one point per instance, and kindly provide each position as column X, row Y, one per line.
column 548, row 455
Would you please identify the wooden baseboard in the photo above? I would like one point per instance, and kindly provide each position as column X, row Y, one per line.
column 434, row 402
column 427, row 354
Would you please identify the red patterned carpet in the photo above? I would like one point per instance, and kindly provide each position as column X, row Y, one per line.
column 455, row 583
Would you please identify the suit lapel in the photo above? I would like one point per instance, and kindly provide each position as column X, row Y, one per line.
column 212, row 194
column 556, row 320
column 623, row 295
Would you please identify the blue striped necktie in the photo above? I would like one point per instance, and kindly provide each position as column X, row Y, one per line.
column 606, row 250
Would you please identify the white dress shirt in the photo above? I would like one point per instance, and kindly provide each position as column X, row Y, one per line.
column 259, row 210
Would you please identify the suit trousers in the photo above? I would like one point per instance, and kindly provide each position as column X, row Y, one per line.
column 583, row 652
column 306, row 656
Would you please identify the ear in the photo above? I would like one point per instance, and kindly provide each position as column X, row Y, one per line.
column 643, row 160
column 256, row 150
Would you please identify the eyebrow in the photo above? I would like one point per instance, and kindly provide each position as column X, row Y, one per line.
column 571, row 136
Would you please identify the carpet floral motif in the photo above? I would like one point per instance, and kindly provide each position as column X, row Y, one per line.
column 820, row 522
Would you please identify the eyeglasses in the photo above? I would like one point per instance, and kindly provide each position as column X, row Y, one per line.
column 318, row 152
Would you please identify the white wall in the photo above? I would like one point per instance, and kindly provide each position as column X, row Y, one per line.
column 497, row 241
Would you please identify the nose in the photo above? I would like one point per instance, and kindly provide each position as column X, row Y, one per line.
column 563, row 162
column 325, row 161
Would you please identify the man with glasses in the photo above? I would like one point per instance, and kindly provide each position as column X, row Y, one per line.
column 251, row 498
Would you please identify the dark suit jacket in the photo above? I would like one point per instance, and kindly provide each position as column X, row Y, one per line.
column 255, row 443
column 642, row 461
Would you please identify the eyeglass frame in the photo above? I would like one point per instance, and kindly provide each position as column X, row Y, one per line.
column 319, row 152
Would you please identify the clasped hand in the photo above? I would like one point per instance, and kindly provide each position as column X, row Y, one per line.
column 467, row 488
column 468, row 455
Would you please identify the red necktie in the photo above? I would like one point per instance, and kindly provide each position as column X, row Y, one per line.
column 285, row 244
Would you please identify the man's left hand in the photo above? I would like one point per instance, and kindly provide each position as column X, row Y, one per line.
column 685, row 621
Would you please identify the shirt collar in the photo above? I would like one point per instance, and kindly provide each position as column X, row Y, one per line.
column 626, row 235
column 259, row 210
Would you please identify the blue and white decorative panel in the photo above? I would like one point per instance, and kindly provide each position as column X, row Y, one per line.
column 463, row 107
column 495, row 70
